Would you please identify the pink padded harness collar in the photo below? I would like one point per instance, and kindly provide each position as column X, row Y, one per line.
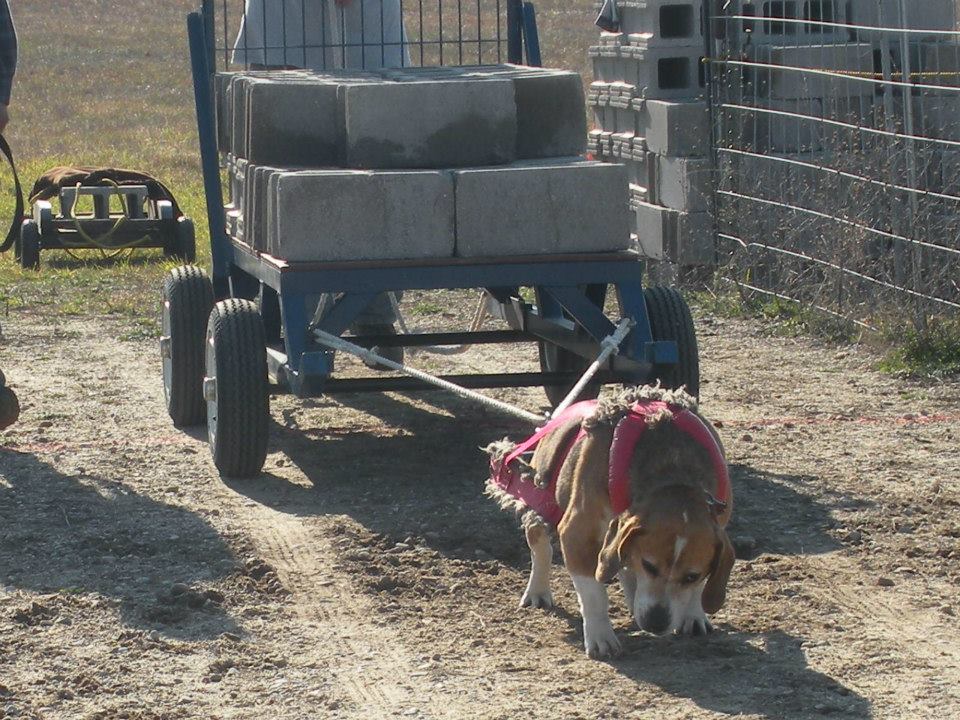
column 543, row 498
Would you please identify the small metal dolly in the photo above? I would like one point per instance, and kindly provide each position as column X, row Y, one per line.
column 144, row 223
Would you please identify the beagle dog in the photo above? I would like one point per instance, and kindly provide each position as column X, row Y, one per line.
column 637, row 488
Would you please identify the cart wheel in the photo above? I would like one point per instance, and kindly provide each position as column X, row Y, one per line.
column 554, row 358
column 235, row 388
column 9, row 407
column 187, row 299
column 670, row 319
column 183, row 244
column 29, row 245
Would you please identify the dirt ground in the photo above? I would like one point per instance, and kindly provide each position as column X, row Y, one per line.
column 365, row 576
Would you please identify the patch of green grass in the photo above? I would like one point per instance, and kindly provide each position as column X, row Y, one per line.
column 722, row 304
column 934, row 352
column 427, row 307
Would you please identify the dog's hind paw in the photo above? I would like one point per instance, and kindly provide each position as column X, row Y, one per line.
column 537, row 599
column 695, row 625
column 600, row 642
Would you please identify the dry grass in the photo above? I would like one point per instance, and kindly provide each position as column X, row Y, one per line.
column 104, row 82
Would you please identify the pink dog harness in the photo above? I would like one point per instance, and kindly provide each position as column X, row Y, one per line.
column 542, row 498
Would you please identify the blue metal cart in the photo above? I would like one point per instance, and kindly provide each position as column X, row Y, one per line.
column 226, row 338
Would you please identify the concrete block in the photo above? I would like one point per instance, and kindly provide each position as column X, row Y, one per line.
column 656, row 72
column 604, row 118
column 806, row 67
column 594, row 143
column 567, row 205
column 678, row 129
column 680, row 237
column 551, row 118
column 549, row 103
column 344, row 215
column 770, row 26
column 940, row 62
column 223, row 107
column 451, row 123
column 926, row 15
column 684, row 183
column 676, row 21
column 254, row 213
column 294, row 123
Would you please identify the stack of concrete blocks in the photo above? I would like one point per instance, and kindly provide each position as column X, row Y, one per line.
column 650, row 113
column 415, row 163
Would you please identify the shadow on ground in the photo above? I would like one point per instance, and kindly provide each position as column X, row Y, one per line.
column 735, row 673
column 63, row 534
column 423, row 474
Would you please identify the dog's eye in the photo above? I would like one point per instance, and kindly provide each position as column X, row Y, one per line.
column 690, row 578
column 650, row 568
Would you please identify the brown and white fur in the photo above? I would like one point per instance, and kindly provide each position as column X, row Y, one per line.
column 669, row 549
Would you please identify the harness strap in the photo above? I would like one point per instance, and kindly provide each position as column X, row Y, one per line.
column 506, row 477
column 14, row 232
column 628, row 432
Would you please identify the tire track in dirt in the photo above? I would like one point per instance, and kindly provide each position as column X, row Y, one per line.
column 378, row 674
column 891, row 625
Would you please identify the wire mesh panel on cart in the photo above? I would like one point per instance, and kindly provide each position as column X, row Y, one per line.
column 363, row 34
column 836, row 127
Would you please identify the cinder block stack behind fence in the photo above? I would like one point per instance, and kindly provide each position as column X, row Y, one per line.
column 650, row 113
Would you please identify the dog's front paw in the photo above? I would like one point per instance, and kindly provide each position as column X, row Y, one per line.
column 534, row 599
column 599, row 640
column 695, row 624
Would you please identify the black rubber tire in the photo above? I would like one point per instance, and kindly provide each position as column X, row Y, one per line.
column 9, row 407
column 187, row 301
column 238, row 423
column 183, row 244
column 670, row 319
column 29, row 245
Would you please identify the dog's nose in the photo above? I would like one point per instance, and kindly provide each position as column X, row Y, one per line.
column 657, row 620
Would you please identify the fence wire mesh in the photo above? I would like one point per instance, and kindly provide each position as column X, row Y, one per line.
column 837, row 145
column 357, row 34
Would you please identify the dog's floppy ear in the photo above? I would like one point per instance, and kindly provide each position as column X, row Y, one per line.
column 618, row 534
column 715, row 591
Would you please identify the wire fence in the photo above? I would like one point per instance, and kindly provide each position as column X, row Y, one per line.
column 358, row 34
column 837, row 146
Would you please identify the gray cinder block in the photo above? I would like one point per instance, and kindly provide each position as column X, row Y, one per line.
column 926, row 15
column 815, row 71
column 672, row 22
column 344, row 215
column 551, row 119
column 294, row 123
column 550, row 103
column 679, row 129
column 567, row 205
column 681, row 237
column 223, row 107
column 429, row 124
column 684, row 183
column 655, row 71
